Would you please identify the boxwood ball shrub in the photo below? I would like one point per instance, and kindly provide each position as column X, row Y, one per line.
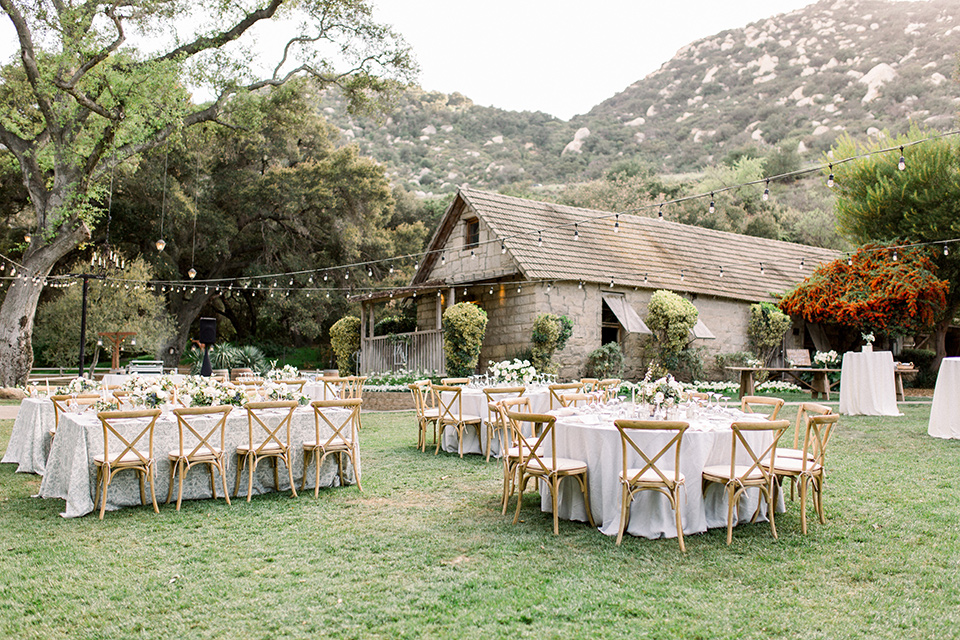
column 345, row 340
column 464, row 326
column 670, row 316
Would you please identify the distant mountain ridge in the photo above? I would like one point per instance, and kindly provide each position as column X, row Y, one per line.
column 795, row 80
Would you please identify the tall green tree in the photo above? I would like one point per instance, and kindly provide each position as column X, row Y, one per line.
column 877, row 202
column 79, row 100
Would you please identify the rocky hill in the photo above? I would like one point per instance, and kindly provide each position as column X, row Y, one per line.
column 794, row 81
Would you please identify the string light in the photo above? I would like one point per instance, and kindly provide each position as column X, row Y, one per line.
column 681, row 275
column 721, row 272
column 391, row 271
column 473, row 255
column 849, row 261
column 894, row 255
column 503, row 247
column 712, row 208
column 946, row 251
column 519, row 288
column 766, row 191
column 580, row 285
column 539, row 239
column 369, row 272
column 346, row 275
column 491, row 289
column 549, row 286
column 661, row 211
column 644, row 278
column 611, row 283
column 902, row 164
column 443, row 259
column 616, row 225
column 830, row 177
column 801, row 264
column 761, row 268
column 576, row 231
column 325, row 277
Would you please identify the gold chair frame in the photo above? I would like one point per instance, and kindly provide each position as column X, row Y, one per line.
column 650, row 477
column 131, row 458
column 809, row 467
column 491, row 393
column 458, row 420
column 566, row 386
column 747, row 403
column 86, row 400
column 426, row 412
column 338, row 442
column 204, row 452
column 571, row 399
column 250, row 454
column 510, row 450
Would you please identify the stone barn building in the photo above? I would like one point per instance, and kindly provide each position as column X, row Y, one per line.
column 518, row 258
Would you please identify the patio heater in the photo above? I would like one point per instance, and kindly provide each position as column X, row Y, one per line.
column 208, row 336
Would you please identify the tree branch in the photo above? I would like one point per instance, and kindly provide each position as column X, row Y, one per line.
column 28, row 56
column 68, row 85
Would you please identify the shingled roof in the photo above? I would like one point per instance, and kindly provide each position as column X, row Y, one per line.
column 646, row 252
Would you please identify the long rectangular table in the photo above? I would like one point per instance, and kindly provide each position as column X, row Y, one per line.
column 70, row 473
column 820, row 386
column 30, row 438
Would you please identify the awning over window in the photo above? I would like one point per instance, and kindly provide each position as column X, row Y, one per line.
column 701, row 332
column 625, row 313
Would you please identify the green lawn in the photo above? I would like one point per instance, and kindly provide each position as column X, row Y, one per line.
column 424, row 552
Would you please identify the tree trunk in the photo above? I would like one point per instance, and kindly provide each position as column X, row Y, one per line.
column 186, row 314
column 940, row 343
column 20, row 304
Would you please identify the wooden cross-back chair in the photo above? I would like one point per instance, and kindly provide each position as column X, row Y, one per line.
column 62, row 403
column 116, row 426
column 266, row 442
column 451, row 413
column 342, row 387
column 342, row 440
column 660, row 471
column 557, row 390
column 537, row 464
column 805, row 411
column 509, row 449
column 750, row 404
column 454, row 381
column 427, row 414
column 589, row 384
column 809, row 467
column 737, row 478
column 293, row 385
column 577, row 399
column 199, row 444
column 494, row 395
column 608, row 388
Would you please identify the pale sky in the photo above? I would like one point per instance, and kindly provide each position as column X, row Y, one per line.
column 561, row 57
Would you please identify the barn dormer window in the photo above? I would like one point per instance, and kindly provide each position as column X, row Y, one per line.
column 471, row 233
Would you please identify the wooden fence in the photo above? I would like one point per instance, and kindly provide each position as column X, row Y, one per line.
column 416, row 351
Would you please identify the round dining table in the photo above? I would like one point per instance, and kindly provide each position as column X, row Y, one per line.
column 592, row 437
column 474, row 402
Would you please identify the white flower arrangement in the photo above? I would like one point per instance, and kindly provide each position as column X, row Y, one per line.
column 718, row 386
column 511, row 372
column 200, row 391
column 826, row 359
column 666, row 389
column 78, row 385
column 150, row 391
column 286, row 372
column 777, row 386
column 868, row 337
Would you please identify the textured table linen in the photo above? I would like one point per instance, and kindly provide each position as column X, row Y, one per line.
column 71, row 474
column 596, row 441
column 475, row 403
column 30, row 439
column 944, row 413
column 868, row 385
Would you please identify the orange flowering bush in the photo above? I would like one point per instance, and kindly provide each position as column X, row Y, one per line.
column 873, row 292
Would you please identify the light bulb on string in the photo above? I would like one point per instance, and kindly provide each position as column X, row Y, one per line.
column 801, row 264
column 438, row 293
column 830, row 178
column 369, row 272
column 325, row 277
column 645, row 278
column 161, row 244
column 519, row 288
column 310, row 279
column 576, row 231
column 473, row 254
column 616, row 224
column 443, row 258
column 346, row 275
column 895, row 255
column 539, row 239
column 580, row 285
column 713, row 207
column 391, row 271
column 328, row 295
column 661, row 211
column 611, row 283
column 290, row 284
column 902, row 164
column 721, row 272
column 681, row 275
column 946, row 251
column 491, row 290
column 27, row 238
column 766, row 192
column 503, row 247
column 761, row 268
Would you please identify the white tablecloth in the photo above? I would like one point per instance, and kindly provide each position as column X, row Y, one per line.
column 944, row 413
column 598, row 444
column 475, row 403
column 867, row 384
column 30, row 439
column 120, row 378
column 71, row 474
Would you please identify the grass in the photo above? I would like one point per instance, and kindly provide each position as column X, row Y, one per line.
column 424, row 552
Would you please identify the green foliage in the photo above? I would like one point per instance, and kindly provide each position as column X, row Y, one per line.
column 226, row 355
column 689, row 364
column 671, row 317
column 109, row 308
column 738, row 359
column 345, row 340
column 550, row 334
column 922, row 360
column 464, row 326
column 606, row 361
column 766, row 328
column 395, row 324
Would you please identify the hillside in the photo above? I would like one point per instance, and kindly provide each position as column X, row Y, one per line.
column 795, row 81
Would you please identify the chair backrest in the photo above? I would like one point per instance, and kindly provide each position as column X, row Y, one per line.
column 577, row 399
column 257, row 414
column 532, row 446
column 450, row 409
column 352, row 387
column 609, row 388
column 116, row 426
column 343, row 432
column 496, row 394
column 203, row 441
column 419, row 401
column 454, row 381
column 759, row 470
column 63, row 403
column 589, row 384
column 804, row 412
column 698, row 395
column 293, row 385
column 819, row 428
column 123, row 398
column 748, row 404
column 651, row 462
column 556, row 390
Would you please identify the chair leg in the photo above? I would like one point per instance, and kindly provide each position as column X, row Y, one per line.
column 183, row 472
column 316, row 475
column 521, row 483
column 143, row 496
column 240, row 464
column 276, row 474
column 554, row 490
column 223, row 479
column 770, row 511
column 106, row 483
column 438, row 439
column 153, row 495
column 173, row 468
column 624, row 511
column 251, row 467
column 213, row 482
column 306, row 463
column 354, row 457
column 731, row 497
column 676, row 508
column 582, row 479
column 286, row 461
column 803, row 505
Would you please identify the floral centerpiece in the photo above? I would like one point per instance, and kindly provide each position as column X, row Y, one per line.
column 511, row 372
column 665, row 390
column 275, row 391
column 78, row 385
column 200, row 391
column 150, row 391
column 826, row 359
column 868, row 339
column 286, row 372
